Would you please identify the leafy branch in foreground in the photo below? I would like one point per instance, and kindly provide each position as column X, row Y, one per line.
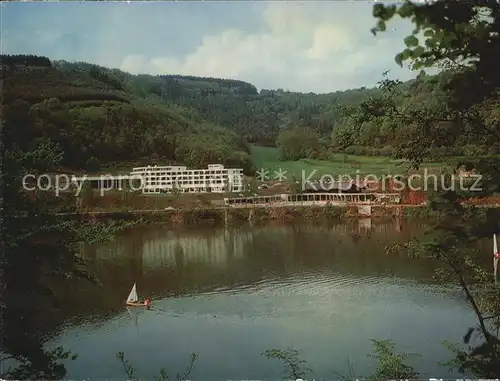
column 462, row 39
column 294, row 366
column 391, row 365
column 131, row 372
column 452, row 244
column 39, row 250
column 48, row 364
column 97, row 232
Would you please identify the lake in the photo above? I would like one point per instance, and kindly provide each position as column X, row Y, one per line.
column 230, row 294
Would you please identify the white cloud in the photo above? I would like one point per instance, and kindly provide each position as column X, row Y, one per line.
column 319, row 47
column 300, row 46
column 134, row 63
column 327, row 39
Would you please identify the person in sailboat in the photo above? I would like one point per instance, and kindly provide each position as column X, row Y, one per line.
column 148, row 302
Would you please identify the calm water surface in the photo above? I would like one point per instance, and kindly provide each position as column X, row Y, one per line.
column 230, row 294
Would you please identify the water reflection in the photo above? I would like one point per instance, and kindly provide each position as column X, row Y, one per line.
column 267, row 286
column 142, row 254
column 174, row 263
column 170, row 249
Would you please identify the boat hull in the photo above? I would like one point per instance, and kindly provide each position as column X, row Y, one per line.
column 134, row 304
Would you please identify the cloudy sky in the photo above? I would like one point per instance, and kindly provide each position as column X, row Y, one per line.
column 299, row 46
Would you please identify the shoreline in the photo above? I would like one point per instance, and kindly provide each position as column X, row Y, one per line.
column 214, row 215
column 229, row 215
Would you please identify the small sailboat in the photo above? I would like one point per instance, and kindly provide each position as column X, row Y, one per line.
column 133, row 299
column 496, row 258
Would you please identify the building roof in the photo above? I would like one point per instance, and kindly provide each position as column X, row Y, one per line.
column 335, row 185
column 173, row 168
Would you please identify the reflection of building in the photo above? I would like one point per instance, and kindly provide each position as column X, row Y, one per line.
column 115, row 251
column 215, row 178
column 169, row 248
column 214, row 249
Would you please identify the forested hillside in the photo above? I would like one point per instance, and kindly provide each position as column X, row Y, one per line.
column 98, row 116
column 95, row 117
column 257, row 116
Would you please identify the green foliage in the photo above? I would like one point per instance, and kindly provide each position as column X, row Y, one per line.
column 24, row 60
column 37, row 83
column 391, row 365
column 82, row 116
column 122, row 117
column 39, row 250
column 298, row 143
column 51, row 366
column 98, row 231
column 295, row 368
column 354, row 163
column 452, row 243
column 99, row 116
column 332, row 212
column 130, row 371
column 473, row 360
column 460, row 38
column 212, row 144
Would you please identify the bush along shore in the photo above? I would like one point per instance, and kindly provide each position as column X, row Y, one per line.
column 203, row 215
column 234, row 216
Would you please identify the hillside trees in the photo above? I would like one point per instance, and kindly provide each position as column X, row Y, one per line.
column 298, row 143
column 99, row 117
column 149, row 115
column 210, row 144
column 235, row 105
column 92, row 136
column 25, row 60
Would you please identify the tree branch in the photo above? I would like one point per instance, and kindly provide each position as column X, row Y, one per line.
column 470, row 298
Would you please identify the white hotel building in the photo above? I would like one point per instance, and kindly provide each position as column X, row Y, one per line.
column 216, row 178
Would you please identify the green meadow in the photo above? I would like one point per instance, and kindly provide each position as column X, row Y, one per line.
column 268, row 158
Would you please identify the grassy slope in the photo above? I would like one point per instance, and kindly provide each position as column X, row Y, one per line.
column 269, row 159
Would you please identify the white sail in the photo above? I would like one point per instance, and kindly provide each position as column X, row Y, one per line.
column 132, row 297
column 495, row 257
